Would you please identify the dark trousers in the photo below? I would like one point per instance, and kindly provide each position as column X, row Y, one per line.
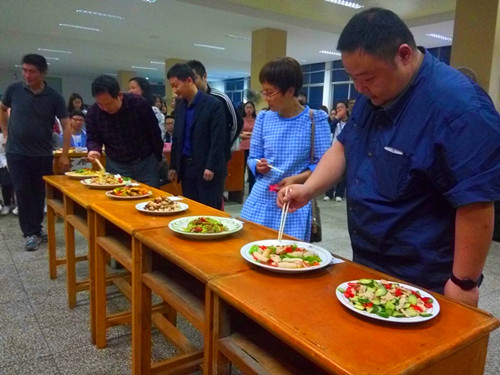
column 26, row 173
column 145, row 170
column 251, row 177
column 196, row 188
column 338, row 190
column 7, row 189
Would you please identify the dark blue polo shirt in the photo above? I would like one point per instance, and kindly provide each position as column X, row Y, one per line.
column 32, row 118
column 409, row 166
column 188, row 128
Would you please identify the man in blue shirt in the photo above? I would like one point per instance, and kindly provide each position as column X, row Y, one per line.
column 421, row 153
column 197, row 157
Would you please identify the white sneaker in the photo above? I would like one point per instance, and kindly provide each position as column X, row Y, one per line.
column 15, row 211
column 338, row 199
column 326, row 198
column 5, row 211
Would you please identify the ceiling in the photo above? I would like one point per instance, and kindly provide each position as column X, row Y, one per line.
column 169, row 28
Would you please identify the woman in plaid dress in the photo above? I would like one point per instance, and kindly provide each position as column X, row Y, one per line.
column 282, row 139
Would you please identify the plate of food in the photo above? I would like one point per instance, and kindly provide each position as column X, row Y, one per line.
column 129, row 192
column 286, row 255
column 82, row 173
column 205, row 227
column 104, row 181
column 161, row 206
column 388, row 301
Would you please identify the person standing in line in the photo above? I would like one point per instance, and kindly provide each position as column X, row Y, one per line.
column 197, row 158
column 246, row 135
column 27, row 132
column 140, row 86
column 126, row 125
column 421, row 183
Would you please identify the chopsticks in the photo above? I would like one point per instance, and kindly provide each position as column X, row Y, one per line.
column 99, row 164
column 270, row 166
column 284, row 212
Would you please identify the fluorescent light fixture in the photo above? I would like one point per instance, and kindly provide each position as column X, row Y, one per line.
column 237, row 37
column 158, row 62
column 111, row 74
column 149, row 1
column 326, row 52
column 92, row 13
column 438, row 36
column 18, row 66
column 349, row 4
column 143, row 67
column 53, row 50
column 208, row 46
column 51, row 58
column 79, row 27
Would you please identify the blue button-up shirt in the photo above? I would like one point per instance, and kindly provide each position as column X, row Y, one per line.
column 188, row 128
column 409, row 166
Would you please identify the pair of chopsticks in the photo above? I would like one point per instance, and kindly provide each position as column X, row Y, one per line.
column 99, row 164
column 284, row 212
column 270, row 166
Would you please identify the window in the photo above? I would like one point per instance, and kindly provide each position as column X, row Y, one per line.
column 443, row 54
column 342, row 86
column 235, row 90
column 314, row 77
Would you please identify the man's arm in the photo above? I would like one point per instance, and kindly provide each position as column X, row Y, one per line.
column 64, row 160
column 473, row 232
column 217, row 135
column 4, row 120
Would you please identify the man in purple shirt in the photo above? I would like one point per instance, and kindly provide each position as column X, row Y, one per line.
column 126, row 125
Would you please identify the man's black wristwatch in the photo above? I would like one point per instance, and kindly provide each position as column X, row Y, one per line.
column 466, row 284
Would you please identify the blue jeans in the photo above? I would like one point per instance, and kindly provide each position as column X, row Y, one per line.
column 26, row 173
column 145, row 171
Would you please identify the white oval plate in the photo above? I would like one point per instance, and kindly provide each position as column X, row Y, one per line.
column 140, row 207
column 79, row 176
column 325, row 255
column 87, row 183
column 416, row 319
column 111, row 195
column 178, row 226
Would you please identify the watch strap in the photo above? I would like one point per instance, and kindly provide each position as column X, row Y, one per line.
column 466, row 284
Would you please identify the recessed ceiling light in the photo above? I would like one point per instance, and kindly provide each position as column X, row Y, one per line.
column 79, row 27
column 51, row 58
column 237, row 37
column 92, row 13
column 438, row 36
column 53, row 50
column 158, row 62
column 208, row 46
column 326, row 52
column 143, row 67
column 349, row 4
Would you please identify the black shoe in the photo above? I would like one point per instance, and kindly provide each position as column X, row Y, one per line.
column 43, row 236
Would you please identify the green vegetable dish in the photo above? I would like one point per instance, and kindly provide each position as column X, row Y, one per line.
column 205, row 225
column 386, row 299
column 284, row 256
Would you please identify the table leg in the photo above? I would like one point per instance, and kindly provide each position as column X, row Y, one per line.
column 100, row 285
column 92, row 273
column 51, row 243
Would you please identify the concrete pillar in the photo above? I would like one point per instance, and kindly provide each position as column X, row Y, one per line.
column 267, row 44
column 168, row 90
column 123, row 76
column 476, row 42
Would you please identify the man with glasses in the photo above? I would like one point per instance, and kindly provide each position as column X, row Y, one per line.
column 33, row 108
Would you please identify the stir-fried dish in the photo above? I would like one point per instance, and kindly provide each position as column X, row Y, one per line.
column 84, row 172
column 104, row 178
column 162, row 204
column 386, row 299
column 205, row 225
column 284, row 256
column 128, row 191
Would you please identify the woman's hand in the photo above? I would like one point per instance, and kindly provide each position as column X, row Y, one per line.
column 262, row 166
column 297, row 195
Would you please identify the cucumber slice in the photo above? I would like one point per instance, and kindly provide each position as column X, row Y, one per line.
column 381, row 291
column 412, row 299
column 425, row 314
column 365, row 281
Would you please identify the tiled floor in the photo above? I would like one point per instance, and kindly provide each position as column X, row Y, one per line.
column 40, row 335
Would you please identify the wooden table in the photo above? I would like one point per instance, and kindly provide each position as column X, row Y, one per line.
column 182, row 284
column 272, row 323
column 116, row 222
column 235, row 179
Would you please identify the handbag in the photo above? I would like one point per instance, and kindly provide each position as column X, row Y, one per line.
column 316, row 216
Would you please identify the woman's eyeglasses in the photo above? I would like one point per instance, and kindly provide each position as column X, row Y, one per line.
column 269, row 94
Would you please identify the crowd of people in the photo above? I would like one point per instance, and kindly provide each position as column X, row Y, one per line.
column 416, row 155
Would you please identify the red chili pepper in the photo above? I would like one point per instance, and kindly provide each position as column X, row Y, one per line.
column 369, row 304
column 203, row 219
column 197, row 229
column 398, row 292
column 388, row 286
column 418, row 308
column 288, row 249
column 428, row 305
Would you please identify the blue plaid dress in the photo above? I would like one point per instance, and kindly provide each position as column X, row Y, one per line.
column 285, row 143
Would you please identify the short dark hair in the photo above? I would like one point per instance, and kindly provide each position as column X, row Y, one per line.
column 72, row 98
column 76, row 112
column 181, row 72
column 198, row 67
column 377, row 32
column 284, row 73
column 144, row 85
column 37, row 60
column 169, row 116
column 105, row 84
